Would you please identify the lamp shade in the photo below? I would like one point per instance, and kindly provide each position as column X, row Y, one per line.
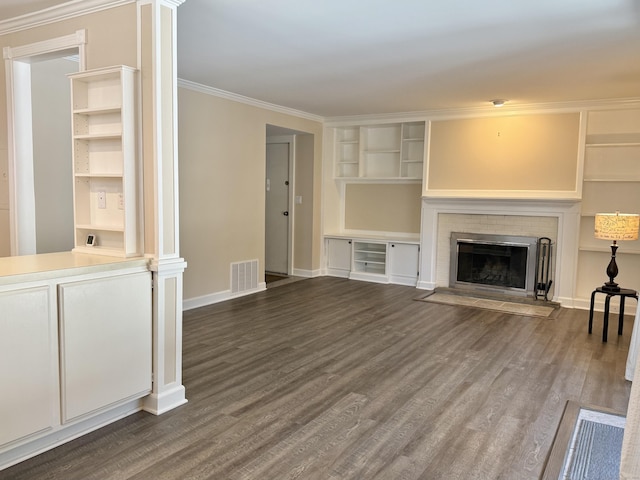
column 617, row 226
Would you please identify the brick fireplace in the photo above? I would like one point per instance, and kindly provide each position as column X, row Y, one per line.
column 555, row 219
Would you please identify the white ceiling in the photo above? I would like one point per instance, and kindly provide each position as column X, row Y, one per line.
column 350, row 57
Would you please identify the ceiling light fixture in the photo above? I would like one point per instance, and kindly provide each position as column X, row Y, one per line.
column 498, row 103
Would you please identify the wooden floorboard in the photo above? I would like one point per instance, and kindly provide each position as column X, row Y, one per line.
column 329, row 378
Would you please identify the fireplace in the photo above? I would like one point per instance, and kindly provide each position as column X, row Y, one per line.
column 497, row 263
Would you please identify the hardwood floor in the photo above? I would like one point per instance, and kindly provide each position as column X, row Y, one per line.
column 335, row 379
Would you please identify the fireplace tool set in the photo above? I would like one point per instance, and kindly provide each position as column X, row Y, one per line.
column 543, row 267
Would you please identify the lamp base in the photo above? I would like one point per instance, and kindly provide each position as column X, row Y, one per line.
column 610, row 287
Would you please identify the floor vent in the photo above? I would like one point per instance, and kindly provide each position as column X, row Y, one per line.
column 244, row 276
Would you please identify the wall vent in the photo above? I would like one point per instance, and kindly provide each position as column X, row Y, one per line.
column 244, row 276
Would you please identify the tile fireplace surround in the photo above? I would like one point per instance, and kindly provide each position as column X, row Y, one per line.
column 556, row 219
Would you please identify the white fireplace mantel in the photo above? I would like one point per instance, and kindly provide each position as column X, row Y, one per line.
column 567, row 212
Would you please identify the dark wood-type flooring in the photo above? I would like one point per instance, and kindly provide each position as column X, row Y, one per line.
column 329, row 378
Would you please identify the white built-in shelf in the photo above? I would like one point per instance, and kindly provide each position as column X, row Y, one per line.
column 105, row 161
column 380, row 152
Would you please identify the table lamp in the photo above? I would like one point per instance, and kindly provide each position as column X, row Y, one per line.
column 615, row 226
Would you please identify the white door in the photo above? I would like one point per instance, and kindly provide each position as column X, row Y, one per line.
column 277, row 209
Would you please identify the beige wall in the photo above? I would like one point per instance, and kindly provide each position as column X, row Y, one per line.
column 103, row 48
column 222, row 174
column 525, row 152
column 53, row 172
column 383, row 207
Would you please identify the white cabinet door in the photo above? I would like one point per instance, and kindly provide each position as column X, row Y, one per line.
column 338, row 257
column 403, row 263
column 28, row 364
column 105, row 342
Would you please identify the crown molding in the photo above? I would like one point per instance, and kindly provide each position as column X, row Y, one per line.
column 487, row 111
column 56, row 13
column 216, row 92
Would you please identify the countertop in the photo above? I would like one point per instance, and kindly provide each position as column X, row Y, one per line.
column 26, row 268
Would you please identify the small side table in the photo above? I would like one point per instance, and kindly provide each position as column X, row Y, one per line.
column 623, row 294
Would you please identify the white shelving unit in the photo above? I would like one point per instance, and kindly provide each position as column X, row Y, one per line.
column 611, row 182
column 104, row 159
column 369, row 258
column 347, row 152
column 373, row 259
column 380, row 152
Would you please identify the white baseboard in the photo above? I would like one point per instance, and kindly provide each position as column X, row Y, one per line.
column 28, row 448
column 203, row 301
column 298, row 272
column 157, row 404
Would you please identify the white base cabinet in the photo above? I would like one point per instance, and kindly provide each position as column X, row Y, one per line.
column 338, row 252
column 75, row 347
column 404, row 261
column 29, row 403
column 105, row 345
column 372, row 259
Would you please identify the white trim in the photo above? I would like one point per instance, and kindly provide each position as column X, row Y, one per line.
column 19, row 132
column 159, row 403
column 61, row 434
column 484, row 111
column 290, row 140
column 559, row 195
column 64, row 11
column 204, row 300
column 53, row 45
column 567, row 213
column 298, row 272
column 216, row 92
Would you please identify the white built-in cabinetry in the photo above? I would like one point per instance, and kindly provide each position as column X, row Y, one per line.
column 105, row 346
column 104, row 160
column 611, row 183
column 380, row 152
column 373, row 259
column 75, row 347
column 29, row 403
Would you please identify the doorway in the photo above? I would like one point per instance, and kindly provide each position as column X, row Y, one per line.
column 27, row 173
column 277, row 206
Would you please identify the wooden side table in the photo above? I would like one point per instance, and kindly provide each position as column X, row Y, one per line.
column 623, row 294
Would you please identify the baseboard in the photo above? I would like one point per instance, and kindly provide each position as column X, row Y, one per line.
column 59, row 435
column 299, row 272
column 218, row 297
column 157, row 404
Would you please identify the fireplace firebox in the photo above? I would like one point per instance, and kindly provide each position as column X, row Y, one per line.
column 497, row 263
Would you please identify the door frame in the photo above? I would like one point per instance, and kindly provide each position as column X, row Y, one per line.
column 19, row 135
column 291, row 140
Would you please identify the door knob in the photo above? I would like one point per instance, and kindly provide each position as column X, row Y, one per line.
column 286, row 214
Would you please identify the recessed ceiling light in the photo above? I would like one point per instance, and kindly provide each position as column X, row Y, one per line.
column 498, row 102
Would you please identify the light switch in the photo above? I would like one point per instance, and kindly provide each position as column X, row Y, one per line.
column 298, row 199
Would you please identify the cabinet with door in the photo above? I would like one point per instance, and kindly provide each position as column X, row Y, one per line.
column 105, row 161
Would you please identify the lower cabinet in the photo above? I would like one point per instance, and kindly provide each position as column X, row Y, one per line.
column 369, row 261
column 105, row 342
column 404, row 260
column 64, row 357
column 29, row 403
column 373, row 260
column 338, row 253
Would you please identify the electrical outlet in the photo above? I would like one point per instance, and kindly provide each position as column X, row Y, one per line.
column 102, row 199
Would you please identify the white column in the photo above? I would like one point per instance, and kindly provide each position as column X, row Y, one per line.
column 157, row 63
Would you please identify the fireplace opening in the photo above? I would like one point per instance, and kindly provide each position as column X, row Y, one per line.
column 501, row 263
